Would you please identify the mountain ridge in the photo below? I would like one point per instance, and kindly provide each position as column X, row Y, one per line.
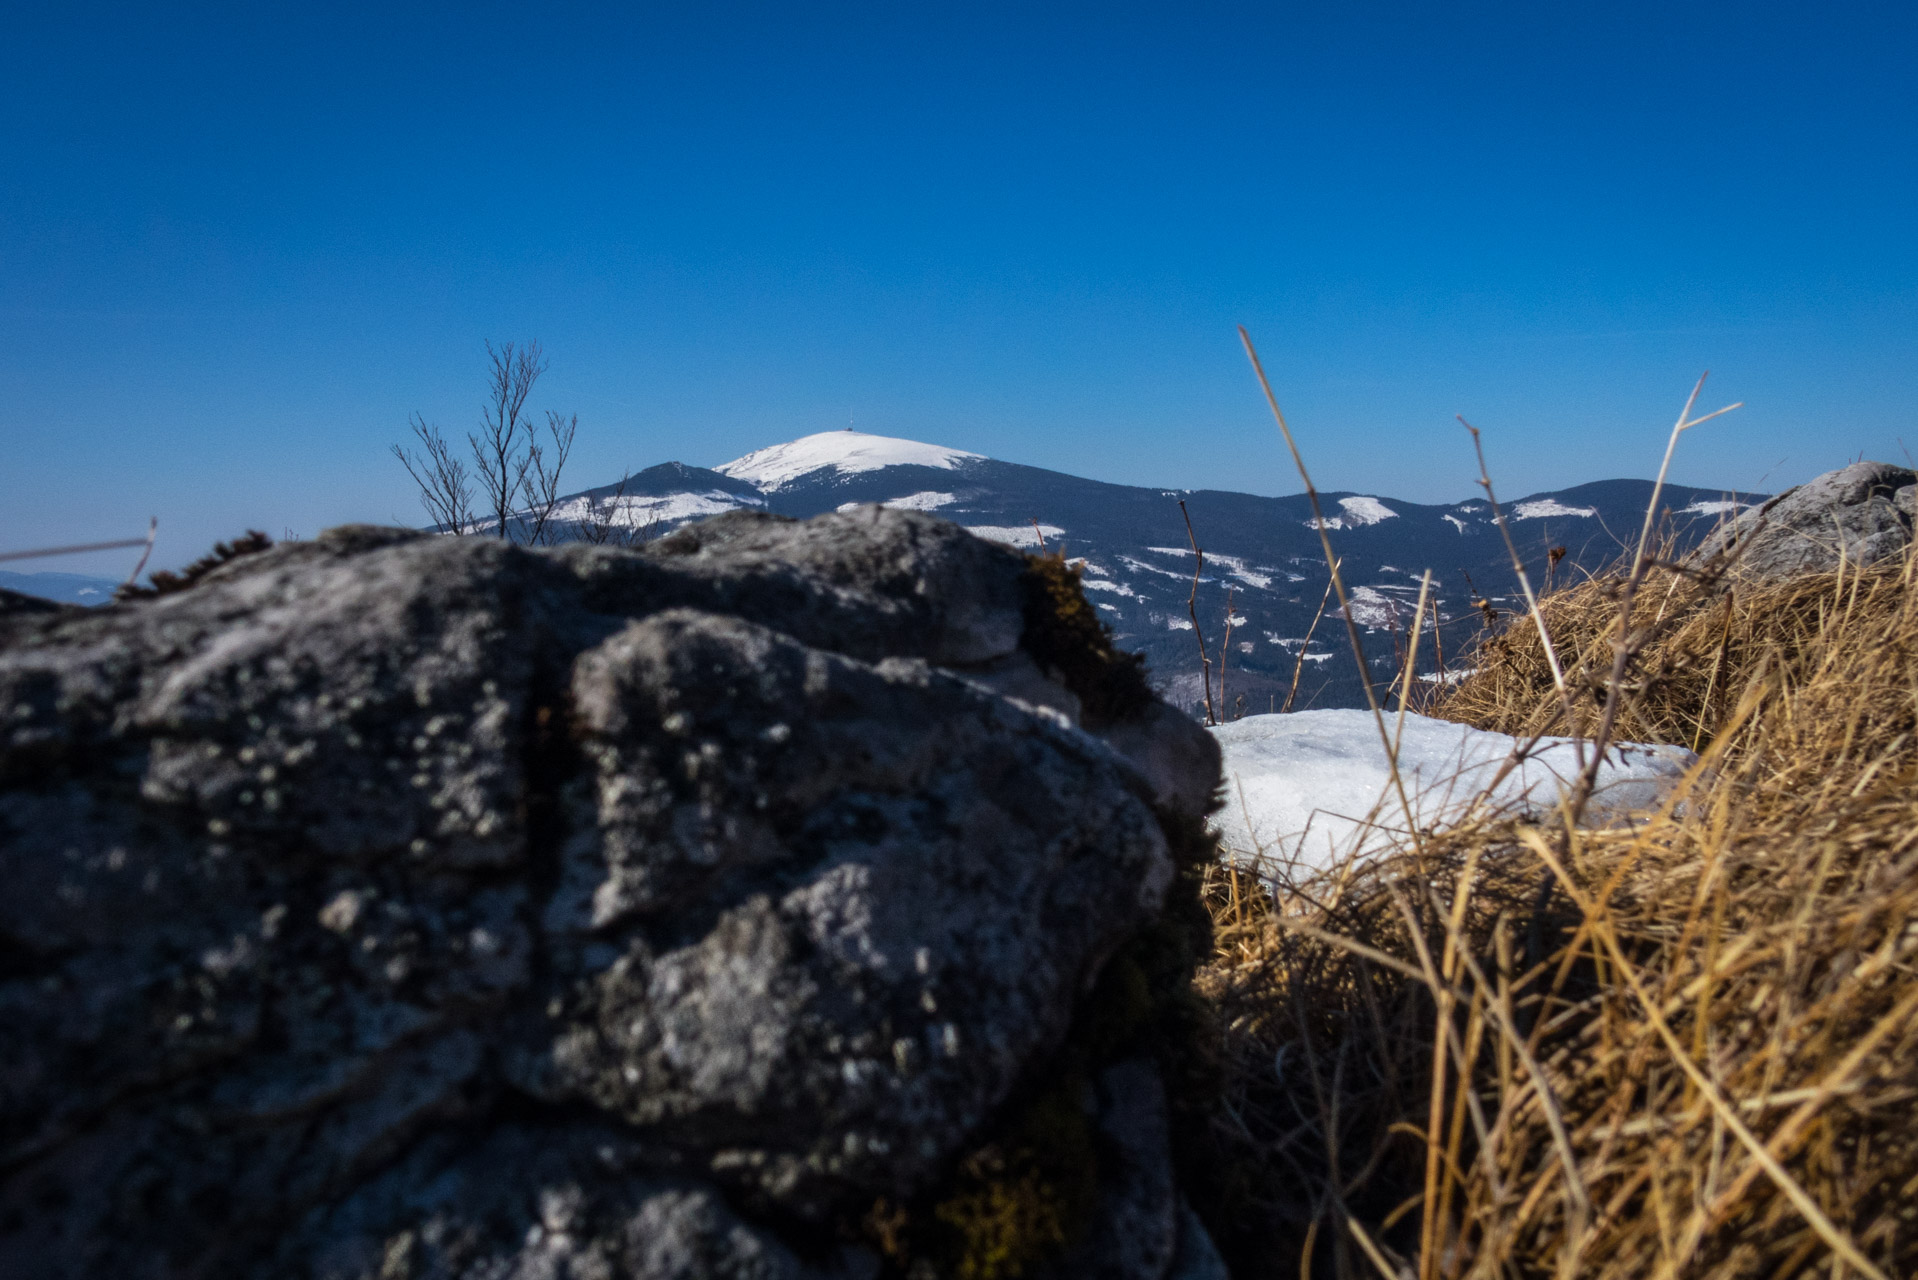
column 1131, row 542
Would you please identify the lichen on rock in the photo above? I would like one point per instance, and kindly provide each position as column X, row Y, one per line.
column 391, row 905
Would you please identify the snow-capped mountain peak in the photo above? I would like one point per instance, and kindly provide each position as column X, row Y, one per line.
column 847, row 452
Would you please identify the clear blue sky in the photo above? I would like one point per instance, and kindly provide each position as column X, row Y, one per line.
column 239, row 245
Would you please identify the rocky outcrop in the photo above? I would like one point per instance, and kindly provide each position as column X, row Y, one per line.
column 388, row 906
column 1855, row 516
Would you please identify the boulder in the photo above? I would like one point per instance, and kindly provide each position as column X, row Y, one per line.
column 1855, row 516
column 388, row 905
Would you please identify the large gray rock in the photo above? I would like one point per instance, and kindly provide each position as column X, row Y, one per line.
column 1857, row 515
column 388, row 906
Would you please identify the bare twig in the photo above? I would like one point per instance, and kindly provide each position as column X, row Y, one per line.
column 1627, row 643
column 1298, row 667
column 1192, row 611
column 1338, row 586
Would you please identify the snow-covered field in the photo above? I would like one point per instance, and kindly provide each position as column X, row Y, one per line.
column 1308, row 790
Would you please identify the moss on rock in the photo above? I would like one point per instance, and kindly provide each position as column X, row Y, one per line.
column 1066, row 637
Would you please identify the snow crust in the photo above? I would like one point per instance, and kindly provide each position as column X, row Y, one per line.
column 847, row 452
column 1305, row 791
column 1549, row 507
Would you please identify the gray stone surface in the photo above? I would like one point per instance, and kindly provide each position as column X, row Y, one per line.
column 399, row 906
column 1858, row 515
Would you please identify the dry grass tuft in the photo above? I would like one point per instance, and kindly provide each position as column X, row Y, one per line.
column 1687, row 1048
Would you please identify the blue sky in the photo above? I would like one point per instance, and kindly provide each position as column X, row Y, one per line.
column 238, row 246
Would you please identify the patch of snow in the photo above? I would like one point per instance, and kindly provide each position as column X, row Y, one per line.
column 1153, row 568
column 1232, row 564
column 1371, row 609
column 1106, row 584
column 1331, row 522
column 1306, row 791
column 847, row 452
column 1364, row 511
column 1714, row 508
column 1110, row 608
column 1018, row 535
column 1177, row 624
column 1318, row 657
column 929, row 500
column 637, row 512
column 1245, row 646
column 1549, row 507
column 1455, row 522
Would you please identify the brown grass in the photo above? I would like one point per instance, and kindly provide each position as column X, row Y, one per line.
column 1687, row 1048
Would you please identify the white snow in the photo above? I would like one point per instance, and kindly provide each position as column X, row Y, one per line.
column 1019, row 535
column 636, row 512
column 928, row 500
column 1455, row 522
column 1231, row 564
column 1549, row 507
column 1713, row 508
column 1364, row 511
column 1177, row 624
column 1106, row 584
column 847, row 452
column 1372, row 609
column 1141, row 565
column 1305, row 791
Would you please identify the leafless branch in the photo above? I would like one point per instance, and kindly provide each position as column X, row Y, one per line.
column 544, row 463
column 502, row 445
column 446, row 490
column 1192, row 610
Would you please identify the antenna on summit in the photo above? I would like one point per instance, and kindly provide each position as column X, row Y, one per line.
column 849, row 420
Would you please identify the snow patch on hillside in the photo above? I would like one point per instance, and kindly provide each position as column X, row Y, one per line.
column 1549, row 507
column 1018, row 535
column 638, row 512
column 1106, row 584
column 928, row 500
column 1363, row 511
column 1231, row 564
column 847, row 452
column 1371, row 608
column 1713, row 508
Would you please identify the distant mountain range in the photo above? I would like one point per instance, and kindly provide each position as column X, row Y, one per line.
column 1137, row 561
column 1139, row 567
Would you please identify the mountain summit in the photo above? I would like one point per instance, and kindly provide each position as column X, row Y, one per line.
column 844, row 453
